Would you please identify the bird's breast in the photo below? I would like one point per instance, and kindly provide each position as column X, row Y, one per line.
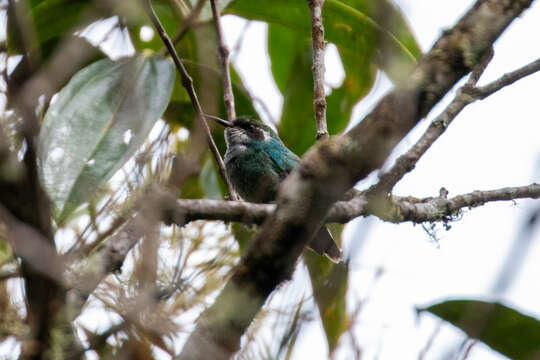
column 250, row 172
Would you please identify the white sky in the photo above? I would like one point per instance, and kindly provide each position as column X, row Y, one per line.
column 493, row 143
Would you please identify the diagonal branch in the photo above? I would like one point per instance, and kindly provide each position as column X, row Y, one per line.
column 317, row 38
column 189, row 21
column 332, row 167
column 465, row 96
column 187, row 82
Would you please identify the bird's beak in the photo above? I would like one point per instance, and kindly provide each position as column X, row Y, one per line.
column 220, row 120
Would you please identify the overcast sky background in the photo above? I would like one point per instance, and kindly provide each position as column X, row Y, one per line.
column 493, row 143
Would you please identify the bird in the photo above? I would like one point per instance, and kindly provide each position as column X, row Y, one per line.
column 256, row 162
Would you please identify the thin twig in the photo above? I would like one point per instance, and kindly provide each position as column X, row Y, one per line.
column 430, row 341
column 470, row 344
column 319, row 97
column 466, row 95
column 6, row 275
column 240, row 41
column 223, row 58
column 188, row 22
column 98, row 341
column 187, row 82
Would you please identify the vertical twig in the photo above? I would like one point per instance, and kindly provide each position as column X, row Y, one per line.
column 187, row 82
column 223, row 58
column 189, row 21
column 317, row 36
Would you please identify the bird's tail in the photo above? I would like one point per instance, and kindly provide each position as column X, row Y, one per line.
column 324, row 244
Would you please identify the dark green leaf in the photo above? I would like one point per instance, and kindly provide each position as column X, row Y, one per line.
column 243, row 234
column 360, row 26
column 209, row 180
column 297, row 125
column 290, row 55
column 5, row 252
column 283, row 46
column 351, row 25
column 168, row 16
column 330, row 282
column 50, row 20
column 206, row 12
column 502, row 328
column 97, row 122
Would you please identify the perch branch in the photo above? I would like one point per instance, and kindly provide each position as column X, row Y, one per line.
column 404, row 208
column 319, row 97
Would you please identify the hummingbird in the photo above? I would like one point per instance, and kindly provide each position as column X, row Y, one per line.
column 256, row 162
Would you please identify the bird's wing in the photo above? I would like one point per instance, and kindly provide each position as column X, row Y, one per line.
column 283, row 160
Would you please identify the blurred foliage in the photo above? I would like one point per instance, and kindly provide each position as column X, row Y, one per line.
column 47, row 22
column 96, row 124
column 502, row 328
column 330, row 283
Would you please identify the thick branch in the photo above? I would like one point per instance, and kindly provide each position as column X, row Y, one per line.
column 319, row 96
column 187, row 82
column 332, row 167
column 223, row 58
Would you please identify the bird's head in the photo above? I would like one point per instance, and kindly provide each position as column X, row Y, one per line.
column 244, row 130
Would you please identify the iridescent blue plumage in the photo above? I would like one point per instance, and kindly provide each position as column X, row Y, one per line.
column 256, row 162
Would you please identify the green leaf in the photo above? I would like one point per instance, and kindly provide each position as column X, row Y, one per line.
column 359, row 26
column 206, row 12
column 297, row 125
column 6, row 253
column 51, row 20
column 330, row 282
column 502, row 328
column 98, row 121
column 284, row 44
column 290, row 55
column 209, row 180
column 168, row 16
column 243, row 235
column 352, row 26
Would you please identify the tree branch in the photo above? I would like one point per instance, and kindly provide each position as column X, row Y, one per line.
column 189, row 21
column 187, row 82
column 332, row 167
column 223, row 58
column 34, row 248
column 319, row 96
column 403, row 208
column 466, row 95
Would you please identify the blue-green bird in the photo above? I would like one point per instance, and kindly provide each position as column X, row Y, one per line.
column 256, row 162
